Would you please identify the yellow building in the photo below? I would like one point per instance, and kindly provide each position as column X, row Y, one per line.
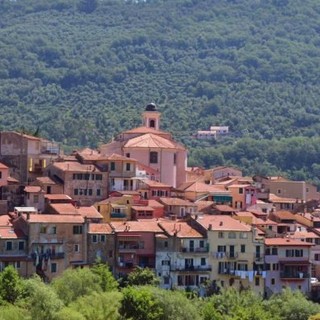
column 236, row 253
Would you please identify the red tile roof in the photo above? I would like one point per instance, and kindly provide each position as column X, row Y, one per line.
column 5, row 220
column 142, row 208
column 57, row 196
column 64, row 208
column 179, row 229
column 45, row 180
column 3, row 166
column 150, row 140
column 145, row 225
column 275, row 199
column 222, row 223
column 89, row 212
column 11, row 233
column 285, row 215
column 143, row 130
column 118, row 157
column 54, row 218
column 203, row 187
column 285, row 242
column 33, row 189
column 155, row 204
column 74, row 166
column 177, row 202
column 101, row 228
column 224, row 208
column 155, row 184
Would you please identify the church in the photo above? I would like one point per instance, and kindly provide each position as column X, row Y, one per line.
column 152, row 147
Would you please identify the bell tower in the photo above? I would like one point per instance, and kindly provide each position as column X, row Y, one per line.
column 151, row 117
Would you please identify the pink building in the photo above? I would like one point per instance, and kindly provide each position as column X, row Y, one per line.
column 153, row 148
column 287, row 265
column 134, row 244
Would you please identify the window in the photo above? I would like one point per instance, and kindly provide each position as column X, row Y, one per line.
column 53, row 267
column 240, row 190
column 103, row 238
column 232, row 235
column 86, row 176
column 174, row 158
column 128, row 155
column 36, row 198
column 98, row 176
column 166, row 280
column 165, row 262
column 128, row 166
column 76, row 248
column 275, row 266
column 317, row 257
column 243, row 235
column 112, row 166
column 165, row 244
column 203, row 261
column 9, row 245
column 274, row 251
column 94, row 238
column 75, row 192
column 279, row 191
column 222, row 248
column 54, row 230
column 77, row 229
column 201, row 244
column 243, row 248
column 17, row 265
column 257, row 281
column 153, row 157
column 90, row 192
column 273, row 281
column 21, row 245
column 220, row 235
column 43, row 229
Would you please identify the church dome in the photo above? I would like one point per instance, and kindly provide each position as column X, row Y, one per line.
column 151, row 107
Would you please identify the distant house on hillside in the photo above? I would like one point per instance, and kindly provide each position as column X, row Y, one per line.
column 213, row 133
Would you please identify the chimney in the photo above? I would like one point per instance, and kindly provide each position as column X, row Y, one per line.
column 28, row 215
column 210, row 227
column 221, row 223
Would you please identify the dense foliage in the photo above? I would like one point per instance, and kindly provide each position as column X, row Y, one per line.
column 84, row 300
column 80, row 70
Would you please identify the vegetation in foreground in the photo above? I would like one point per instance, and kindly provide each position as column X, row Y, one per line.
column 94, row 294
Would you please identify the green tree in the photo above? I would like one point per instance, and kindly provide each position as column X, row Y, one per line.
column 138, row 303
column 10, row 284
column 106, row 279
column 142, row 276
column 41, row 300
column 74, row 283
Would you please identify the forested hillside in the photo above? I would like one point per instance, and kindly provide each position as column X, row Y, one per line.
column 83, row 70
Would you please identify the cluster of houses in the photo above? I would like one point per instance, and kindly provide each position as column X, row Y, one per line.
column 134, row 202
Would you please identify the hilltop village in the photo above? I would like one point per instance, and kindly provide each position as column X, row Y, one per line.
column 134, row 202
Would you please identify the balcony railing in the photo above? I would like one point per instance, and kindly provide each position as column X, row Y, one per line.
column 57, row 255
column 294, row 275
column 232, row 255
column 192, row 268
column 226, row 255
column 195, row 250
column 118, row 215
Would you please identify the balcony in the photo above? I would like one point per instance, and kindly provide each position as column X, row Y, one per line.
column 117, row 215
column 57, row 255
column 294, row 275
column 204, row 268
column 126, row 264
column 258, row 258
column 195, row 250
column 231, row 255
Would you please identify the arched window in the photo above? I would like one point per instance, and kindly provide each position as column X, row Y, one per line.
column 152, row 123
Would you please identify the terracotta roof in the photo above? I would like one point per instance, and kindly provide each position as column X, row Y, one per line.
column 89, row 212
column 267, row 222
column 154, row 204
column 203, row 187
column 150, row 140
column 57, row 196
column 128, row 192
column 177, row 202
column 202, row 205
column 75, row 166
column 12, row 180
column 153, row 183
column 222, row 223
column 275, row 199
column 285, row 242
column 142, row 208
column 144, row 130
column 11, row 233
column 45, row 180
column 5, row 220
column 101, row 228
column 285, row 215
column 64, row 208
column 146, row 168
column 145, row 225
column 118, row 157
column 224, row 208
column 244, row 214
column 3, row 166
column 304, row 235
column 179, row 229
column 33, row 189
column 54, row 218
column 88, row 154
